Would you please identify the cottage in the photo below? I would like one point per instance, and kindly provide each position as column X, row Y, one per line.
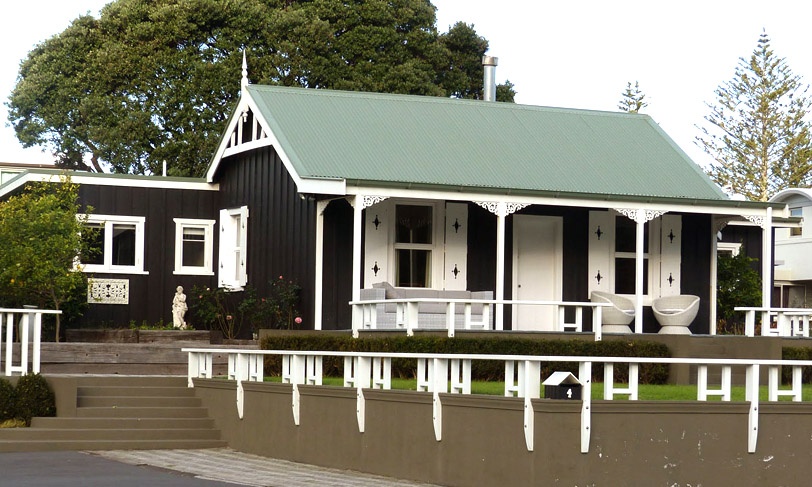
column 346, row 191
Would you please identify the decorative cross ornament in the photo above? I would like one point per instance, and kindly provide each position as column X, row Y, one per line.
column 670, row 279
column 598, row 277
column 455, row 271
column 376, row 222
column 671, row 235
column 598, row 232
column 456, row 225
column 375, row 268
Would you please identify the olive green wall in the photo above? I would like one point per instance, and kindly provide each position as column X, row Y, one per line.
column 633, row 443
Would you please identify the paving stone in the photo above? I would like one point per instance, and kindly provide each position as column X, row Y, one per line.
column 226, row 465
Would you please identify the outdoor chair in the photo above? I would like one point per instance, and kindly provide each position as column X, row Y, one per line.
column 675, row 313
column 616, row 318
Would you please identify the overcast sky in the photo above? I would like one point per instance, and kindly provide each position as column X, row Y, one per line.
column 563, row 53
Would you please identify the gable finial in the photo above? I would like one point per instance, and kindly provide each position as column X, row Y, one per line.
column 244, row 81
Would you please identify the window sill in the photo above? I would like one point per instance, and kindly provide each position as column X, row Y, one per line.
column 104, row 270
column 192, row 272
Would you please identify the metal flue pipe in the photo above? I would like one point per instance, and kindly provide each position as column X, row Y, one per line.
column 489, row 63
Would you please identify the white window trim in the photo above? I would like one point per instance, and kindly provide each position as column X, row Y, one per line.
column 208, row 247
column 733, row 247
column 436, row 247
column 801, row 229
column 107, row 222
column 227, row 250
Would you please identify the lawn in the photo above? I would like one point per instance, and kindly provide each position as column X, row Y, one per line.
column 646, row 392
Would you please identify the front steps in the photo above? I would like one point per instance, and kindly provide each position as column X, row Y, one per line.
column 122, row 413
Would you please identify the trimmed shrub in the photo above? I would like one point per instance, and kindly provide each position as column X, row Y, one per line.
column 796, row 353
column 34, row 398
column 8, row 400
column 480, row 370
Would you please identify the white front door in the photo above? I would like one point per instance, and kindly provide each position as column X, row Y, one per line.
column 537, row 270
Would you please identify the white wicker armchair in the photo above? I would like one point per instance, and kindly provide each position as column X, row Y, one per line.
column 675, row 313
column 616, row 318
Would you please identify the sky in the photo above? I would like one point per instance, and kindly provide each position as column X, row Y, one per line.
column 561, row 54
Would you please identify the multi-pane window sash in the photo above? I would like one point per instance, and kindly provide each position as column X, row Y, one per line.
column 194, row 244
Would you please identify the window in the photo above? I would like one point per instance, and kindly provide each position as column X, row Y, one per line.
column 625, row 243
column 232, row 272
column 612, row 255
column 193, row 246
column 413, row 245
column 796, row 231
column 117, row 244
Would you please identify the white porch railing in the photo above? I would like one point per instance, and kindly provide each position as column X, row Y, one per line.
column 449, row 373
column 30, row 331
column 782, row 322
column 407, row 314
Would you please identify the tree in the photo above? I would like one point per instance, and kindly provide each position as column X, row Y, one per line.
column 150, row 81
column 738, row 284
column 757, row 131
column 40, row 239
column 632, row 99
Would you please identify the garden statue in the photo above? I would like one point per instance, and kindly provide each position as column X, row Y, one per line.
column 179, row 309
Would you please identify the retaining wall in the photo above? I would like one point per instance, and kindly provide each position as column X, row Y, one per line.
column 632, row 443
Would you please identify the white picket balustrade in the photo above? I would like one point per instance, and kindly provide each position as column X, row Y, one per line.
column 29, row 332
column 407, row 317
column 781, row 322
column 365, row 370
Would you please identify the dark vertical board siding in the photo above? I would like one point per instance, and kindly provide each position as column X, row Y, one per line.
column 481, row 249
column 281, row 235
column 150, row 294
column 337, row 265
column 695, row 271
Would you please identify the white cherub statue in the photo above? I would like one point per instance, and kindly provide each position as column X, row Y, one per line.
column 179, row 309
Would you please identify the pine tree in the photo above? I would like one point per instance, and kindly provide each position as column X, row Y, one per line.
column 757, row 130
column 632, row 99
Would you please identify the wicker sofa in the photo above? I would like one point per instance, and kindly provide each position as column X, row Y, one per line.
column 430, row 315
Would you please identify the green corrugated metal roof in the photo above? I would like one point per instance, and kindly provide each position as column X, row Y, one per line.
column 429, row 140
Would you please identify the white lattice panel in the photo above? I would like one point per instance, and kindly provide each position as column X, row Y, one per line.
column 108, row 291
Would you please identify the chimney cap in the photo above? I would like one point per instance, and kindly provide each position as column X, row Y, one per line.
column 490, row 60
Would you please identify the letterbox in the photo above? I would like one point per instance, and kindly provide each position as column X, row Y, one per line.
column 562, row 385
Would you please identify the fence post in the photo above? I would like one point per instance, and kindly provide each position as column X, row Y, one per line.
column 751, row 393
column 449, row 319
column 532, row 389
column 597, row 324
column 439, row 383
column 585, row 377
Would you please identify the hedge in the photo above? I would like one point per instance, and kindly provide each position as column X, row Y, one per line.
column 34, row 398
column 481, row 370
column 8, row 400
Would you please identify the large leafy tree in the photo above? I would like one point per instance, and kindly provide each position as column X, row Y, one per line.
column 39, row 243
column 757, row 131
column 153, row 80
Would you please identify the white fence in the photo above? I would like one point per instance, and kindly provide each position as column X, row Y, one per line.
column 444, row 373
column 407, row 316
column 782, row 322
column 29, row 325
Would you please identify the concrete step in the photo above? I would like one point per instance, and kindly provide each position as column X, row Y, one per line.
column 122, row 423
column 137, row 401
column 58, row 445
column 124, row 390
column 60, row 434
column 142, row 412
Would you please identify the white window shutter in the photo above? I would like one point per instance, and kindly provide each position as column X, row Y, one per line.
column 671, row 255
column 224, row 266
column 456, row 246
column 243, row 243
column 601, row 233
column 376, row 243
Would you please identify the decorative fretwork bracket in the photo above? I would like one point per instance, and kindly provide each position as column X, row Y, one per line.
column 372, row 200
column 755, row 220
column 640, row 215
column 501, row 208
